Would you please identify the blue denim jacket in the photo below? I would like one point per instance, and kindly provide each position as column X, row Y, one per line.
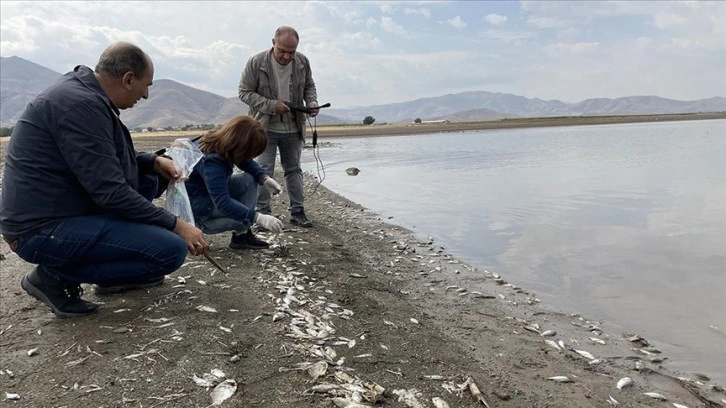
column 208, row 188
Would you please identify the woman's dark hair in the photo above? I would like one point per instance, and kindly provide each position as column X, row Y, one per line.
column 120, row 58
column 239, row 138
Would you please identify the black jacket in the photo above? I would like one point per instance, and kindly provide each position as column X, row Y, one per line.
column 69, row 155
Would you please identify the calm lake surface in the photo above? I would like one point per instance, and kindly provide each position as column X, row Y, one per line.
column 625, row 224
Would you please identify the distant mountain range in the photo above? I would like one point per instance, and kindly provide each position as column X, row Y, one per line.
column 173, row 104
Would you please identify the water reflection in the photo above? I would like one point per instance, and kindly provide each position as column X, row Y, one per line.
column 622, row 222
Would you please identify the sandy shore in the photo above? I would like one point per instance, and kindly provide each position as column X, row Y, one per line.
column 354, row 308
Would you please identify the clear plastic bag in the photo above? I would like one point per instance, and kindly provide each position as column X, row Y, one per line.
column 185, row 154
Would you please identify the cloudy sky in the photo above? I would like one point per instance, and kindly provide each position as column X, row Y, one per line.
column 370, row 53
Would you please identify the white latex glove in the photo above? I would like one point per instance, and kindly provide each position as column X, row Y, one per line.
column 269, row 222
column 272, row 186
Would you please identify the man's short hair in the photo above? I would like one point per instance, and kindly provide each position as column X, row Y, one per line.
column 120, row 58
column 284, row 30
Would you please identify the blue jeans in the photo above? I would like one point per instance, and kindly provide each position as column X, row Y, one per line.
column 104, row 250
column 290, row 145
column 242, row 188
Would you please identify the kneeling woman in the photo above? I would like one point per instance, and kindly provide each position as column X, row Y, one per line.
column 223, row 200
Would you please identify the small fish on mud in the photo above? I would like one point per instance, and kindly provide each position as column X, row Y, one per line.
column 655, row 395
column 624, row 383
column 346, row 403
column 439, row 403
column 548, row 333
column 612, row 401
column 352, row 171
column 585, row 354
column 321, row 389
column 553, row 344
column 318, row 369
column 223, row 391
column 679, row 405
column 475, row 392
column 561, row 379
column 409, row 397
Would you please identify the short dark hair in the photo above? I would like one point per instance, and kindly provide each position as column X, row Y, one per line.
column 120, row 58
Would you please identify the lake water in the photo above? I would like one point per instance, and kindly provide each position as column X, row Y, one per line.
column 625, row 224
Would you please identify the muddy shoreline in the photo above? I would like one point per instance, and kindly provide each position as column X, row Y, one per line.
column 369, row 301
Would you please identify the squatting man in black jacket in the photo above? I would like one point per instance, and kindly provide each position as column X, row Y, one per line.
column 76, row 196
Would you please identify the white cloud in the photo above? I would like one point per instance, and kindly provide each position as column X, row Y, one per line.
column 575, row 48
column 361, row 55
column 422, row 11
column 508, row 36
column 391, row 26
column 495, row 19
column 386, row 9
column 457, row 23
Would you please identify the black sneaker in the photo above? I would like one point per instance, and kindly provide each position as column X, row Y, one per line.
column 63, row 299
column 300, row 220
column 101, row 289
column 247, row 240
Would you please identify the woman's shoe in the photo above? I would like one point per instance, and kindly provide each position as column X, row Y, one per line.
column 248, row 240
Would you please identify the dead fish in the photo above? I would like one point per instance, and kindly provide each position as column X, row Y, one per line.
column 12, row 397
column 439, row 403
column 218, row 373
column 598, row 341
column 548, row 333
column 655, row 395
column 552, row 343
column 475, row 392
column 346, row 403
column 32, row 352
column 352, row 171
column 585, row 354
column 318, row 369
column 203, row 382
column 408, row 397
column 679, row 405
column 612, row 401
column 223, row 391
column 321, row 389
column 624, row 383
column 560, row 379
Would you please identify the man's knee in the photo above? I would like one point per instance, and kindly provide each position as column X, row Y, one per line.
column 178, row 251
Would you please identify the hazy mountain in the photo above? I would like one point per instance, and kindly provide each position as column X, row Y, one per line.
column 171, row 103
column 452, row 106
column 20, row 82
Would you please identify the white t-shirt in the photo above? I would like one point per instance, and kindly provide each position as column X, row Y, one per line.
column 282, row 123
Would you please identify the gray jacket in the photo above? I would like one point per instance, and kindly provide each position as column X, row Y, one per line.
column 258, row 87
column 69, row 156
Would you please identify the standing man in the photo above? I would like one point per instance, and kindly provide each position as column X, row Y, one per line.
column 76, row 197
column 271, row 78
